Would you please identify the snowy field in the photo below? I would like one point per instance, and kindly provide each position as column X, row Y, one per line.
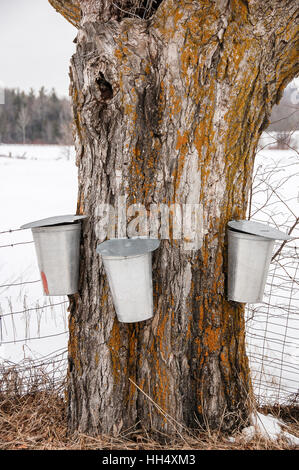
column 35, row 182
column 41, row 181
column 272, row 327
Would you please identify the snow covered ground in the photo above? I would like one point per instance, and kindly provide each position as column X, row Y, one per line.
column 41, row 181
column 269, row 139
column 38, row 152
column 273, row 326
column 42, row 184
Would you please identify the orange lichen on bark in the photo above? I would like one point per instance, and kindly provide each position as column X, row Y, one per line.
column 96, row 358
column 240, row 12
column 182, row 147
column 182, row 140
column 77, row 98
column 73, row 346
column 114, row 345
column 162, row 389
column 70, row 9
column 80, row 203
column 132, row 358
column 217, row 285
column 175, row 105
column 212, row 339
column 161, row 334
column 104, row 295
column 158, row 350
column 201, row 317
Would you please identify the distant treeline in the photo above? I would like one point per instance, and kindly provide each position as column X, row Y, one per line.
column 285, row 115
column 42, row 117
column 35, row 118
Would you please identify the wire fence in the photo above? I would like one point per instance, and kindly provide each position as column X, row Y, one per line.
column 29, row 375
column 271, row 332
column 272, row 326
column 30, row 330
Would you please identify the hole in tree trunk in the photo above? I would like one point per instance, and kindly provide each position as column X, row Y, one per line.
column 105, row 87
column 135, row 8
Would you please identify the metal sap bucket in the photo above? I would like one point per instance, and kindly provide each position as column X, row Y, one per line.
column 250, row 247
column 128, row 265
column 57, row 246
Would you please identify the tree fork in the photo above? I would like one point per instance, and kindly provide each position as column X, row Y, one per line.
column 169, row 110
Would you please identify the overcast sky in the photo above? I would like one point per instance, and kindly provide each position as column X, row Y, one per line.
column 36, row 45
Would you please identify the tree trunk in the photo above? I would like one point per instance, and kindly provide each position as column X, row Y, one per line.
column 169, row 110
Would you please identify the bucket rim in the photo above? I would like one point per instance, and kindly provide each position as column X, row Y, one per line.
column 127, row 247
column 54, row 221
column 250, row 227
column 249, row 236
column 119, row 258
column 122, row 319
column 57, row 228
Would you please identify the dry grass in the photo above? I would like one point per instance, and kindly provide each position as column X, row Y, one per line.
column 37, row 420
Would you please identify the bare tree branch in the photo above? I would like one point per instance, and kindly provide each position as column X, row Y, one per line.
column 285, row 242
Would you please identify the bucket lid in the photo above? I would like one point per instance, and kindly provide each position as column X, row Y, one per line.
column 59, row 219
column 127, row 246
column 256, row 228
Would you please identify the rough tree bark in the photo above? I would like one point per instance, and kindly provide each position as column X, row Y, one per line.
column 169, row 109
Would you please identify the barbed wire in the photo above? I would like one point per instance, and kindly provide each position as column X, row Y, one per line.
column 11, row 230
column 19, row 283
column 41, row 307
column 264, row 379
column 36, row 362
column 31, row 339
column 15, row 244
column 274, row 374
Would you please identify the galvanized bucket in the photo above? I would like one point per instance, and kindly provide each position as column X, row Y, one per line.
column 250, row 247
column 128, row 265
column 57, row 246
